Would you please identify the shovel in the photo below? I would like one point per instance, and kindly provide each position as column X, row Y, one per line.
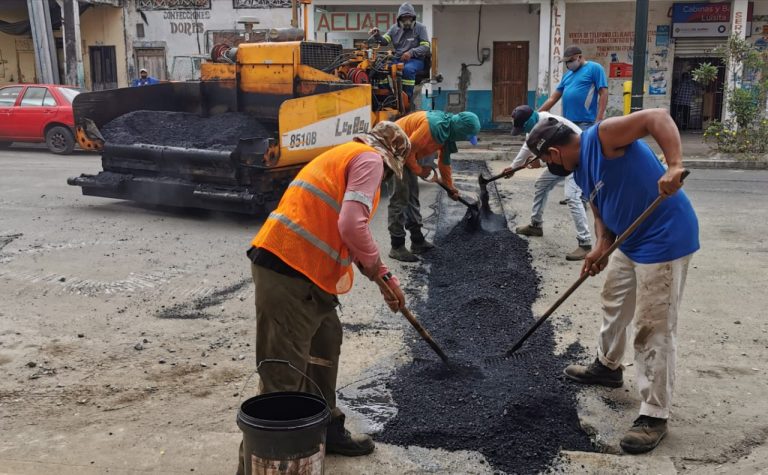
column 473, row 209
column 415, row 323
column 648, row 211
column 483, row 182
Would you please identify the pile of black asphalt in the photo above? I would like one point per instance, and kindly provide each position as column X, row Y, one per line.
column 520, row 413
column 183, row 129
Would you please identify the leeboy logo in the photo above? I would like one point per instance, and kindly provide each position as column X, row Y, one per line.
column 353, row 127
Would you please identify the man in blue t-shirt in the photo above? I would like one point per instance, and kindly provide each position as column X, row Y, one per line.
column 645, row 276
column 584, row 90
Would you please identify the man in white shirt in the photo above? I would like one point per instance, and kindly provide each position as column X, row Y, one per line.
column 525, row 118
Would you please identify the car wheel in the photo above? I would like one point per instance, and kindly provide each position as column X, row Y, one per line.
column 60, row 140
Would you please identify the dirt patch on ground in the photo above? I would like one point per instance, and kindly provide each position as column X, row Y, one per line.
column 182, row 129
column 520, row 414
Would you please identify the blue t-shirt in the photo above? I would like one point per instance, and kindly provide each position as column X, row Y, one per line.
column 622, row 188
column 579, row 89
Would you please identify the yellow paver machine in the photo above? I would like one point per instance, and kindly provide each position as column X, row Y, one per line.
column 234, row 140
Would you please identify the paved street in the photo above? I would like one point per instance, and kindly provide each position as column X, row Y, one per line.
column 126, row 333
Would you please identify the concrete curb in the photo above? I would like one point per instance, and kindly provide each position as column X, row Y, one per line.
column 726, row 163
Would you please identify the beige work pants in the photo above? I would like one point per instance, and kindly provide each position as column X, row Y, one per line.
column 650, row 294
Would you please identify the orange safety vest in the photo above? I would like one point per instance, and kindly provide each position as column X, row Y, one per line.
column 304, row 229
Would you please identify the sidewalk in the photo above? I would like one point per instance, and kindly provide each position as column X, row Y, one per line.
column 500, row 145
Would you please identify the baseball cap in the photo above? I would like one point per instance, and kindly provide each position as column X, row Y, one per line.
column 541, row 136
column 521, row 119
column 570, row 52
column 142, row 70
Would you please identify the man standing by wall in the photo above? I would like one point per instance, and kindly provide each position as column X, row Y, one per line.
column 682, row 100
column 411, row 42
column 584, row 90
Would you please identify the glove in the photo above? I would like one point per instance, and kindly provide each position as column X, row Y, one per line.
column 406, row 56
column 373, row 32
column 391, row 292
column 453, row 194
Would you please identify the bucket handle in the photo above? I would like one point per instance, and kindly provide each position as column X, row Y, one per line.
column 285, row 362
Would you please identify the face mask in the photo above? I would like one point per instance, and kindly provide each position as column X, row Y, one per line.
column 558, row 170
column 407, row 23
column 573, row 65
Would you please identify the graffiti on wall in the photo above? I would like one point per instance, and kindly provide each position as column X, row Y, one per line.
column 173, row 4
column 261, row 3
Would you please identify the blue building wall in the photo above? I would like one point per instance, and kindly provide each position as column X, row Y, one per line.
column 479, row 102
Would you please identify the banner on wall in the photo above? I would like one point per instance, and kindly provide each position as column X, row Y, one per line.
column 694, row 20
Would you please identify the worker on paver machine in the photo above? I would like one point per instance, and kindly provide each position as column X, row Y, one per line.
column 430, row 132
column 622, row 176
column 411, row 42
column 302, row 260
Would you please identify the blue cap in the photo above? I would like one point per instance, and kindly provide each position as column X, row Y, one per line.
column 472, row 139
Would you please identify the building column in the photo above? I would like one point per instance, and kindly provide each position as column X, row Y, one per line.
column 427, row 18
column 545, row 22
column 557, row 46
column 46, row 65
column 73, row 53
column 312, row 33
column 738, row 29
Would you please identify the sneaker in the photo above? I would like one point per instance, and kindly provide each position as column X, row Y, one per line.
column 579, row 254
column 421, row 247
column 596, row 373
column 340, row 441
column 530, row 230
column 402, row 254
column 645, row 435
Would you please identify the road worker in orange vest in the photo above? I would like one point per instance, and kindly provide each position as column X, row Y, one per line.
column 430, row 132
column 302, row 259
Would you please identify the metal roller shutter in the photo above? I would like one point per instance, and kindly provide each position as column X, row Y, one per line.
column 697, row 47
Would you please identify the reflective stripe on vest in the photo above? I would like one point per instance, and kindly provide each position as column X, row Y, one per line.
column 311, row 238
column 317, row 192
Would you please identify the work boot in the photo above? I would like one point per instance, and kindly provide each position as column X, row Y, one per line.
column 340, row 441
column 421, row 247
column 579, row 254
column 402, row 254
column 530, row 230
column 645, row 435
column 596, row 373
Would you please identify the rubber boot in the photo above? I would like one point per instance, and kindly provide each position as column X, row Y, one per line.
column 402, row 254
column 340, row 441
column 645, row 435
column 420, row 247
column 596, row 373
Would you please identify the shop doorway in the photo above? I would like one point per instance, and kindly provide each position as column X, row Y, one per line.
column 103, row 67
column 510, row 78
column 694, row 106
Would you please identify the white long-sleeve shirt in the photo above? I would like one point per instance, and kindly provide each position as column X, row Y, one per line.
column 525, row 153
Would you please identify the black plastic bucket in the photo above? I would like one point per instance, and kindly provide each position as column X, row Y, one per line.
column 284, row 433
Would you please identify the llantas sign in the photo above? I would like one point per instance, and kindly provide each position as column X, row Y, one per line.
column 353, row 21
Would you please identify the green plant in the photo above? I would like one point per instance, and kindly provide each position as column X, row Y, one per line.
column 705, row 73
column 746, row 131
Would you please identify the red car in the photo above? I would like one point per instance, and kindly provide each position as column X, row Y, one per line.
column 38, row 113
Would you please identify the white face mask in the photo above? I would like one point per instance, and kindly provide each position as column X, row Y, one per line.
column 573, row 65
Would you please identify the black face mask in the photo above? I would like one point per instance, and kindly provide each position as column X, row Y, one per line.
column 558, row 170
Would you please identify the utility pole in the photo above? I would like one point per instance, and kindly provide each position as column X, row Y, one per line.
column 46, row 63
column 639, row 54
column 73, row 54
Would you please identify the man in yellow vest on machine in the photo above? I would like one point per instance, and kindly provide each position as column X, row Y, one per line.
column 302, row 260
